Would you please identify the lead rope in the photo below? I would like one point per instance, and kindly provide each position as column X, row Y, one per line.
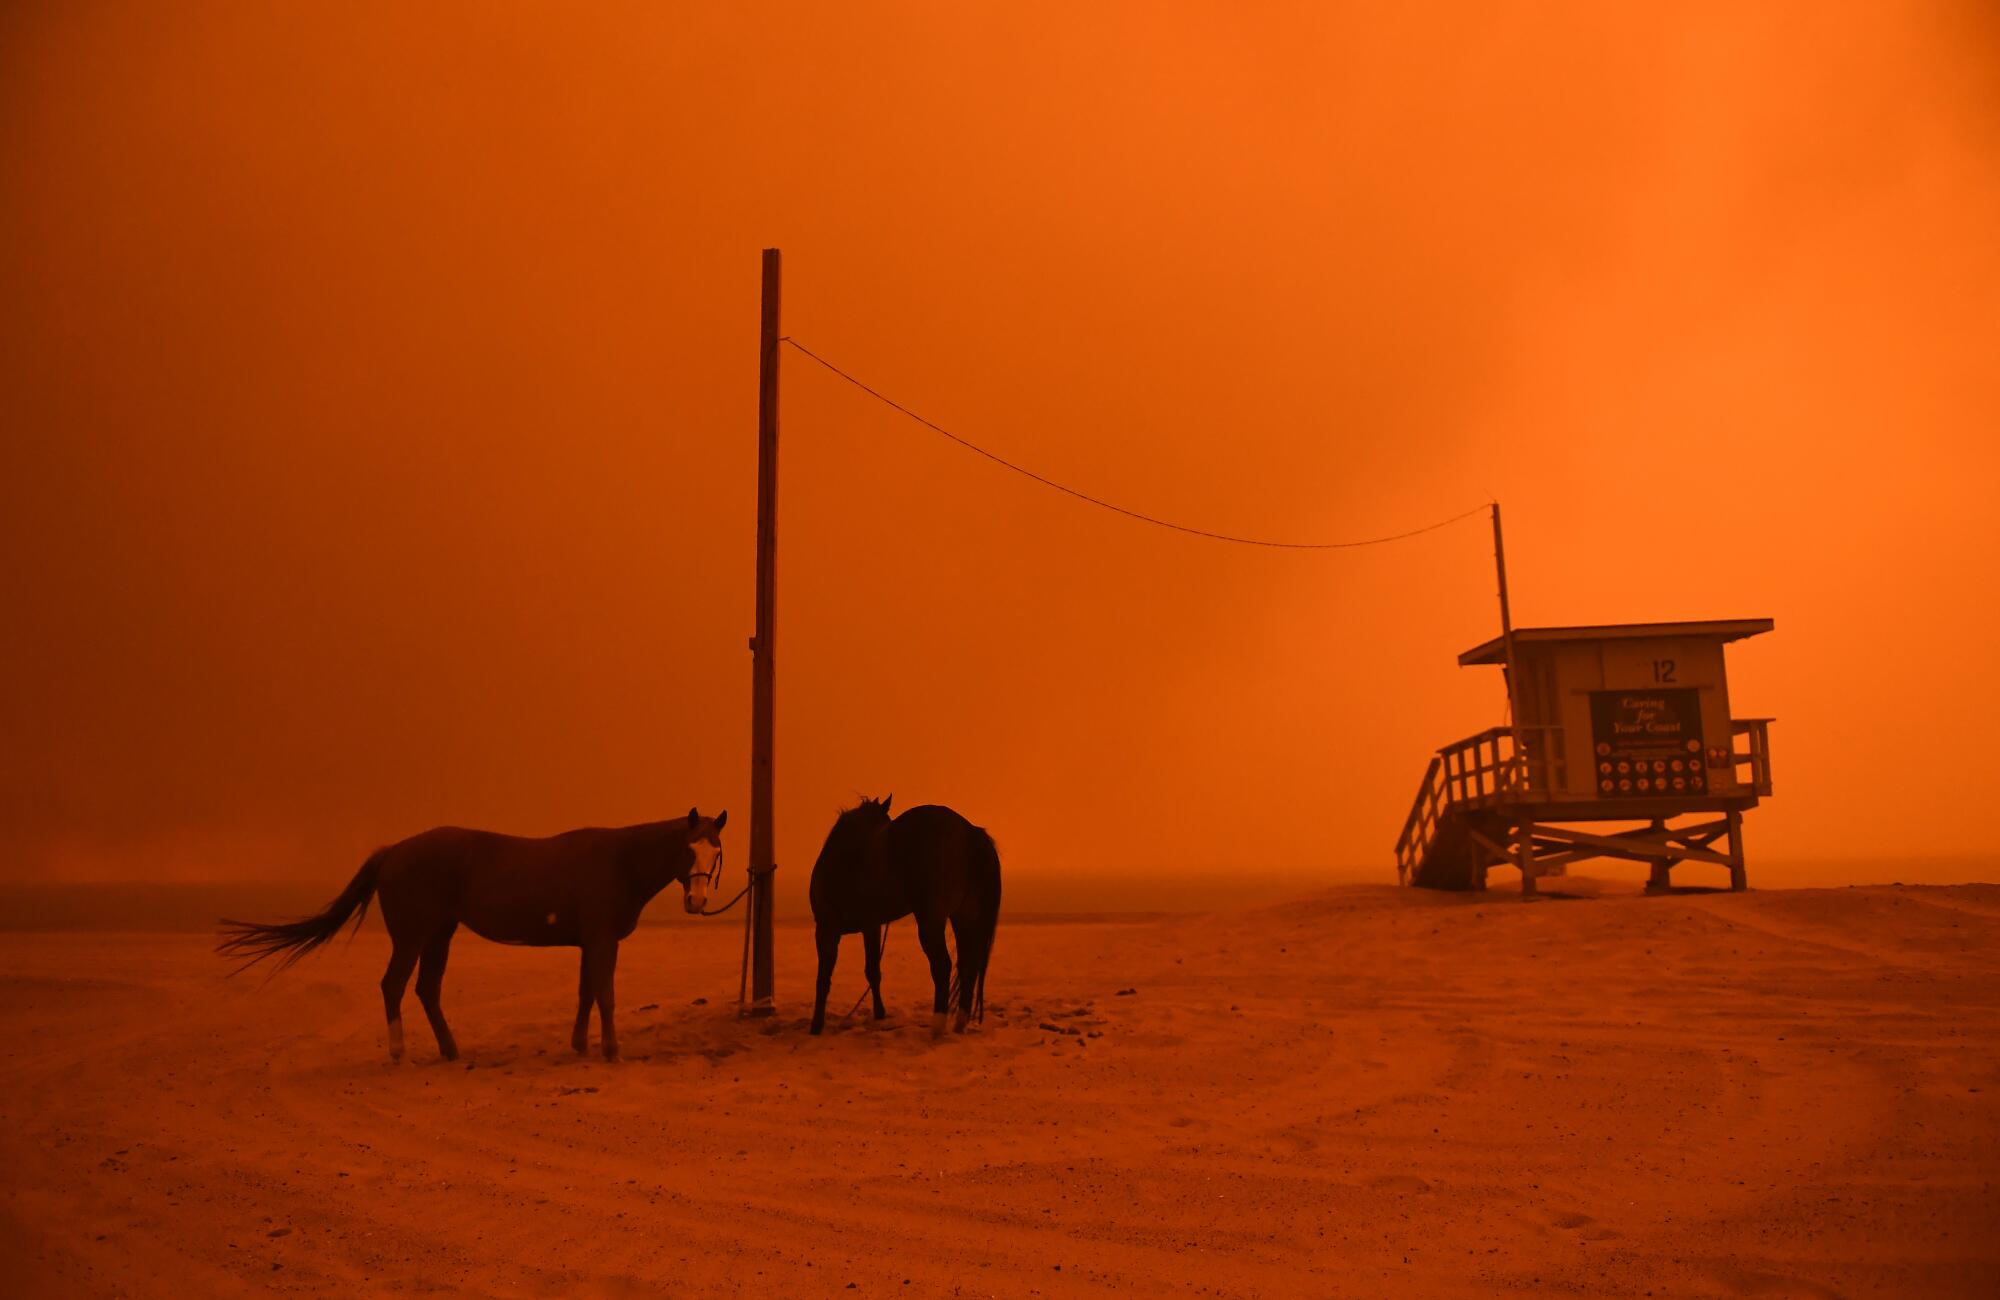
column 743, row 984
column 718, row 911
column 884, row 945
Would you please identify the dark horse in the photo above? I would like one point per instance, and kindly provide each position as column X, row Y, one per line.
column 929, row 862
column 582, row 889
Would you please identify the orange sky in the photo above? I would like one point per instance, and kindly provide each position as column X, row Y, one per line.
column 380, row 396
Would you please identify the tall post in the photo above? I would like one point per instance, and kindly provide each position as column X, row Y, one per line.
column 1739, row 873
column 1507, row 645
column 763, row 651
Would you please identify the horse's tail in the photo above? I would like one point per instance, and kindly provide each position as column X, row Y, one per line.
column 986, row 880
column 295, row 939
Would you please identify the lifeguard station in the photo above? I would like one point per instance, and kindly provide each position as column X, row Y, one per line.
column 1622, row 723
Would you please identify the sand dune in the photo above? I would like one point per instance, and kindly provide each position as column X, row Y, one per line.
column 1366, row 1092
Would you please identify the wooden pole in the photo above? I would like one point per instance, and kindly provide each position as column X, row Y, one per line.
column 763, row 651
column 1524, row 849
column 1507, row 630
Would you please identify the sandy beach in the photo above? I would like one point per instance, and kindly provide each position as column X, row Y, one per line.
column 1364, row 1092
column 1197, row 464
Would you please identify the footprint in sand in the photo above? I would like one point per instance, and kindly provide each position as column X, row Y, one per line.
column 1585, row 1226
column 1773, row 1286
column 1399, row 1183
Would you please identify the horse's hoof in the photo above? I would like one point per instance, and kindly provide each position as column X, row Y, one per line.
column 937, row 1025
column 958, row 1024
column 816, row 1030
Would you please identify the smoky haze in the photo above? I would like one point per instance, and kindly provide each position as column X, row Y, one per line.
column 380, row 402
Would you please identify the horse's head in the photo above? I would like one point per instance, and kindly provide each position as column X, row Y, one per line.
column 853, row 831
column 704, row 839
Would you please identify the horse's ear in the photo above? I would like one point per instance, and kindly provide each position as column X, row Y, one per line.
column 885, row 802
column 721, row 818
column 694, row 818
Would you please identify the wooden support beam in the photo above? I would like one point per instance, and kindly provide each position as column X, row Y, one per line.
column 1484, row 854
column 1567, row 859
column 1634, row 845
column 1524, row 849
column 1661, row 878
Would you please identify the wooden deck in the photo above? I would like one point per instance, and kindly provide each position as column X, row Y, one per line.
column 1501, row 798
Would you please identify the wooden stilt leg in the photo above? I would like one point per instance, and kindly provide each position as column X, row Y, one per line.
column 1524, row 854
column 1739, row 877
column 1662, row 878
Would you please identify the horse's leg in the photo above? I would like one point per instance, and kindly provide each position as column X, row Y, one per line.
column 930, row 933
column 585, row 995
column 402, row 960
column 430, row 984
column 827, row 939
column 603, row 972
column 871, row 939
column 966, row 932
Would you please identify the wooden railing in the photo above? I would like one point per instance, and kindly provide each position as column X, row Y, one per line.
column 1420, row 827
column 1495, row 767
column 1490, row 767
column 1757, row 753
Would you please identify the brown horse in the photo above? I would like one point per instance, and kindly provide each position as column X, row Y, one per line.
column 582, row 889
column 929, row 863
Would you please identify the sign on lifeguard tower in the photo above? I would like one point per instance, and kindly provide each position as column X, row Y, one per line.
column 1648, row 743
column 1626, row 722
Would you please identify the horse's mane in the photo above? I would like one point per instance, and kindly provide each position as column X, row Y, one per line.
column 867, row 806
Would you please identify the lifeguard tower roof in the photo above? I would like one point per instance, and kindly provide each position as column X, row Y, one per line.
column 1722, row 631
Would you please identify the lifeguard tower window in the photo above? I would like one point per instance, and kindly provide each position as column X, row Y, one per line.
column 1625, row 722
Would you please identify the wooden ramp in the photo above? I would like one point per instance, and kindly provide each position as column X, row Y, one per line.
column 1489, row 800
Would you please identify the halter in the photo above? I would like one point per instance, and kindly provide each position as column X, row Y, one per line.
column 714, row 872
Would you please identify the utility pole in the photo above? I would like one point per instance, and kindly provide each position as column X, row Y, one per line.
column 1524, row 832
column 1506, row 622
column 763, row 648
